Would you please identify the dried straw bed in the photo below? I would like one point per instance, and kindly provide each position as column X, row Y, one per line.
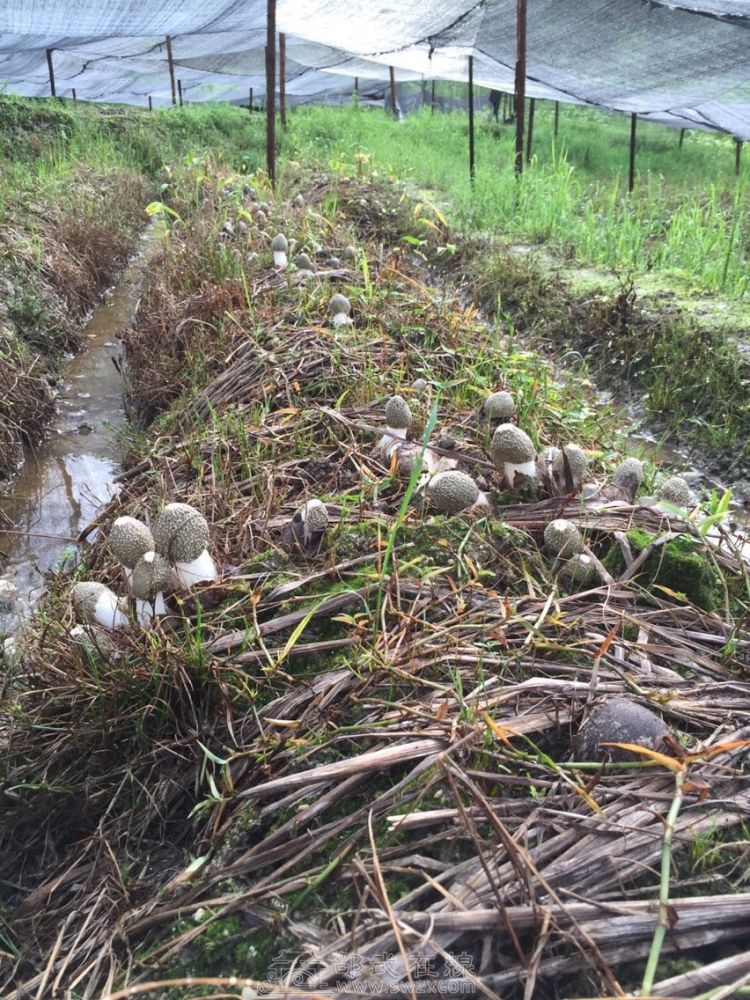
column 368, row 750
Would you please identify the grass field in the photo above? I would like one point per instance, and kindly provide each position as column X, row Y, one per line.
column 687, row 218
column 356, row 757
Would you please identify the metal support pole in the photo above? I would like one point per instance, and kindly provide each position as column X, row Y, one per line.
column 520, row 81
column 557, row 117
column 530, row 136
column 50, row 67
column 631, row 170
column 179, row 90
column 737, row 155
column 471, row 120
column 150, row 103
column 170, row 60
column 271, row 90
column 356, row 85
column 393, row 91
column 250, row 101
column 282, row 78
column 682, row 138
column 75, row 97
column 432, row 99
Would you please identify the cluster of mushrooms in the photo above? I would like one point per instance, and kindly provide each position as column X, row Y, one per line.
column 173, row 557
column 561, row 472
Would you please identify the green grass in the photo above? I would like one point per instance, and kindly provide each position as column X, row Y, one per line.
column 687, row 217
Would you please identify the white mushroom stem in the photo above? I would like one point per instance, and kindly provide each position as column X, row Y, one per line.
column 146, row 611
column 525, row 468
column 200, row 570
column 341, row 319
column 481, row 501
column 108, row 611
column 280, row 259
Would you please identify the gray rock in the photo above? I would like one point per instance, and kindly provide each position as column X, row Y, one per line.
column 618, row 720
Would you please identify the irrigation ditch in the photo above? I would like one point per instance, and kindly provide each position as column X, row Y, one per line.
column 353, row 762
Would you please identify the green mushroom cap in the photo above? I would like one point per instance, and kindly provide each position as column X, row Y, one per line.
column 676, row 491
column 279, row 244
column 303, row 262
column 577, row 463
column 578, row 571
column 499, row 407
column 451, row 492
column 511, row 444
column 397, row 413
column 85, row 595
column 629, row 475
column 562, row 538
column 150, row 575
column 349, row 253
column 315, row 517
column 129, row 539
column 180, row 533
column 340, row 304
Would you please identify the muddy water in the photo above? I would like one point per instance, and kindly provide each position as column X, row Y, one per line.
column 65, row 481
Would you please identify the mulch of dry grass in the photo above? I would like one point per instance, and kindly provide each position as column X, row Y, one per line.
column 363, row 754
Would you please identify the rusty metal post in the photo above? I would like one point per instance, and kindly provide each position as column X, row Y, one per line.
column 682, row 138
column 631, row 169
column 557, row 117
column 271, row 90
column 737, row 155
column 282, row 78
column 471, row 120
column 150, row 103
column 393, row 92
column 51, row 69
column 520, row 81
column 530, row 136
column 179, row 90
column 170, row 61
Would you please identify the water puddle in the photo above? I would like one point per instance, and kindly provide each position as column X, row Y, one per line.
column 70, row 476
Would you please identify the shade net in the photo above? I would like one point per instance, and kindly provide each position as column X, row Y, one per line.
column 679, row 62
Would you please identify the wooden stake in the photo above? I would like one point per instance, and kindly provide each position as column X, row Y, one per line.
column 75, row 98
column 51, row 73
column 471, row 120
column 631, row 170
column 557, row 117
column 250, row 101
column 682, row 138
column 393, row 91
column 530, row 136
column 179, row 90
column 737, row 155
column 170, row 60
column 520, row 81
column 432, row 98
column 282, row 78
column 356, row 85
column 150, row 103
column 271, row 90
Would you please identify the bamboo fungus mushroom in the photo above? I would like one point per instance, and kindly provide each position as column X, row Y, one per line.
column 628, row 477
column 563, row 539
column 569, row 469
column 151, row 577
column 279, row 246
column 512, row 453
column 451, row 492
column 181, row 535
column 341, row 308
column 128, row 540
column 498, row 408
column 675, row 491
column 95, row 602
